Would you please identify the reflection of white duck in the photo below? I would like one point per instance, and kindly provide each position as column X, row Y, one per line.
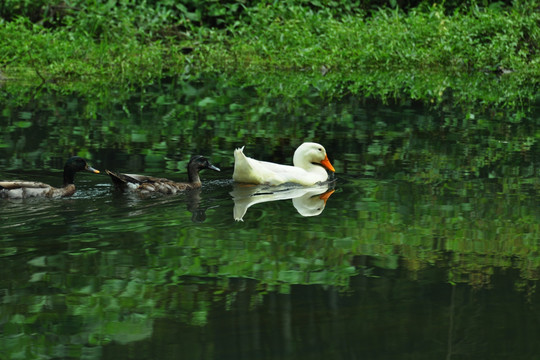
column 308, row 201
column 310, row 161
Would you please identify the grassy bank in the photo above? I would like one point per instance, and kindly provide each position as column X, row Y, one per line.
column 469, row 55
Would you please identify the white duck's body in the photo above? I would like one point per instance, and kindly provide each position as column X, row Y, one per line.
column 310, row 161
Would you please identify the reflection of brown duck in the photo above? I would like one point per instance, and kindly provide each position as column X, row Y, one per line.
column 148, row 184
column 193, row 202
column 308, row 201
column 17, row 189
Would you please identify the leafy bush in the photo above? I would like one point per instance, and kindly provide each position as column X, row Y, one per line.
column 148, row 19
column 292, row 46
column 32, row 9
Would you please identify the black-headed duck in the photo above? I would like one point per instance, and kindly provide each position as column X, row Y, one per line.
column 20, row 189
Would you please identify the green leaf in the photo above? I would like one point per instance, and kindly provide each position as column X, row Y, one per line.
column 23, row 124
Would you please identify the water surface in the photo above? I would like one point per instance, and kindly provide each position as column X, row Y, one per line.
column 426, row 248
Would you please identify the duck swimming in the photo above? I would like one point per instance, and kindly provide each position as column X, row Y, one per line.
column 19, row 189
column 310, row 164
column 148, row 184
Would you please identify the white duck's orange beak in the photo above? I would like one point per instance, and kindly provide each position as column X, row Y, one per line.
column 326, row 164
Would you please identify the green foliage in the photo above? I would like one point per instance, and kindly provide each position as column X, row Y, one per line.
column 35, row 11
column 117, row 19
column 473, row 55
column 363, row 55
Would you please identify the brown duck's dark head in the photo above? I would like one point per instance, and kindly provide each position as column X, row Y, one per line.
column 73, row 165
column 196, row 164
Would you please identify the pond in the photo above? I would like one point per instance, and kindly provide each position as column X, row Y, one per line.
column 426, row 247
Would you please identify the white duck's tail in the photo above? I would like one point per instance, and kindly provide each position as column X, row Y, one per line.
column 238, row 155
column 242, row 167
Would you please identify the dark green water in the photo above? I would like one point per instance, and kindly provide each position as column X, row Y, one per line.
column 427, row 249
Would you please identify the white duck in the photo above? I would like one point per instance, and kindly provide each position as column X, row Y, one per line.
column 310, row 161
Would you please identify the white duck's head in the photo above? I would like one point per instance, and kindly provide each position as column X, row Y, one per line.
column 311, row 153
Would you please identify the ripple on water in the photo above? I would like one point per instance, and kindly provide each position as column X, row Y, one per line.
column 96, row 216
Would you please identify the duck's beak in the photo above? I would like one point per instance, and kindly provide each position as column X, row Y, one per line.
column 92, row 170
column 326, row 195
column 326, row 164
column 212, row 167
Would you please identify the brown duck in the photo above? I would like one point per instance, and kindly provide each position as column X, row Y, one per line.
column 20, row 189
column 148, row 184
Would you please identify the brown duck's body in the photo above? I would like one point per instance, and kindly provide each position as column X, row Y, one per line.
column 144, row 184
column 20, row 189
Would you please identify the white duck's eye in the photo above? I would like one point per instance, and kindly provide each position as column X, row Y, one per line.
column 320, row 149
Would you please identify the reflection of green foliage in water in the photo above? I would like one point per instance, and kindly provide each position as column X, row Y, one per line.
column 95, row 288
column 101, row 285
column 186, row 118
